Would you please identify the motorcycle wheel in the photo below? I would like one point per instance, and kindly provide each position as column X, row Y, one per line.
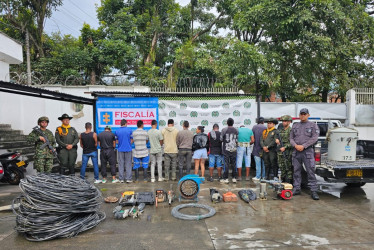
column 15, row 177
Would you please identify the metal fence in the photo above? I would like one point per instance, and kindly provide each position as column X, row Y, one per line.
column 364, row 96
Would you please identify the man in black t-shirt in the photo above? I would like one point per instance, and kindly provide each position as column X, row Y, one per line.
column 107, row 143
column 229, row 138
column 215, row 152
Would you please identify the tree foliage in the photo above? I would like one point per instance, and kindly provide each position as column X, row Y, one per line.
column 303, row 50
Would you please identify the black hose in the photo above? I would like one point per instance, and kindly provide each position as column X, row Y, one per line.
column 56, row 206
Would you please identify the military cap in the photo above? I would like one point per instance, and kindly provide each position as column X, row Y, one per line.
column 272, row 120
column 286, row 118
column 65, row 116
column 43, row 118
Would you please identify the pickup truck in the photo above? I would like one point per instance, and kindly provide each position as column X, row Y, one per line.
column 353, row 174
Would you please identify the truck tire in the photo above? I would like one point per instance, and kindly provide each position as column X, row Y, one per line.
column 356, row 184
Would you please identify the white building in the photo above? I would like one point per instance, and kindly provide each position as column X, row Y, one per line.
column 10, row 53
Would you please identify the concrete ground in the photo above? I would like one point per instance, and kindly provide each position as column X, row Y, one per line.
column 330, row 223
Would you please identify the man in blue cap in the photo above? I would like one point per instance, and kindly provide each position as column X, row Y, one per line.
column 304, row 135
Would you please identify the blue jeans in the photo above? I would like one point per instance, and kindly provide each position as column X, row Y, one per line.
column 243, row 152
column 258, row 167
column 215, row 159
column 94, row 159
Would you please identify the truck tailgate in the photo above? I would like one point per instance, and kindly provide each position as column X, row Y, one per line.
column 361, row 170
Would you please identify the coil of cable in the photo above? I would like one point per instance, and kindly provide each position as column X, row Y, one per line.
column 56, row 206
column 175, row 212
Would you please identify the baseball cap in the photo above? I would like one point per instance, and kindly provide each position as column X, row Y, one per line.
column 108, row 127
column 304, row 110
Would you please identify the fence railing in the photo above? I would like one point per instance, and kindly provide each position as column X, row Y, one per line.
column 364, row 96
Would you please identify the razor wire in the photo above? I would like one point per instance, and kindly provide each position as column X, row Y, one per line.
column 56, row 206
column 191, row 84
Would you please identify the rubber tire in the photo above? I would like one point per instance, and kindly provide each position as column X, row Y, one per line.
column 17, row 179
column 355, row 184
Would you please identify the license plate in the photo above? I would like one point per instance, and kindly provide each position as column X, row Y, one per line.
column 20, row 164
column 354, row 173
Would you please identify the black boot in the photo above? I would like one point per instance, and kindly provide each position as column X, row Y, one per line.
column 296, row 191
column 314, row 195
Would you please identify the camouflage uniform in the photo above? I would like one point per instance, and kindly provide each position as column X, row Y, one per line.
column 285, row 158
column 43, row 158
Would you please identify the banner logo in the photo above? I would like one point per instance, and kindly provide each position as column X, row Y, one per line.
column 181, row 123
column 224, row 122
column 193, row 130
column 215, row 114
column 161, row 105
column 193, row 114
column 204, row 122
column 236, row 113
column 106, row 118
column 226, row 105
column 247, row 105
column 247, row 122
column 204, row 105
column 172, row 114
column 183, row 105
column 162, row 123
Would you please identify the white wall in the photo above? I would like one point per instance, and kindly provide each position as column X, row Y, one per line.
column 22, row 112
column 4, row 71
column 10, row 53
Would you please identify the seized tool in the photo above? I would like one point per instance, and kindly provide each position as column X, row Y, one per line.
column 229, row 196
column 161, row 196
column 171, row 194
column 111, row 199
column 248, row 195
column 263, row 193
column 215, row 196
column 282, row 190
column 175, row 212
column 131, row 198
column 126, row 195
column 189, row 186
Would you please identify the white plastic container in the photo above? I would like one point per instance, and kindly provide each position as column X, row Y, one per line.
column 342, row 144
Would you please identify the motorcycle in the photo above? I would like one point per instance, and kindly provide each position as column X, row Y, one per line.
column 13, row 166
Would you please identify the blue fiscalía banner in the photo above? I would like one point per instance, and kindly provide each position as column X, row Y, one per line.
column 111, row 110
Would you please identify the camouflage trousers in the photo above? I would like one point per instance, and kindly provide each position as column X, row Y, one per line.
column 285, row 165
column 43, row 165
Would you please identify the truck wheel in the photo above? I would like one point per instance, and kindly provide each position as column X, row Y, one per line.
column 356, row 184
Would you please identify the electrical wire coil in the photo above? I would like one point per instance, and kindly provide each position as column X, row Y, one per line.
column 175, row 212
column 56, row 206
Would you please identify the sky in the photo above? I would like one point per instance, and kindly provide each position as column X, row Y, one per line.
column 69, row 18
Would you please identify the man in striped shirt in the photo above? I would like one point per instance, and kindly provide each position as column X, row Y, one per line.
column 140, row 153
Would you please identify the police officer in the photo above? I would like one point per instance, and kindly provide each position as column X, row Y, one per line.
column 43, row 157
column 304, row 135
column 269, row 148
column 67, row 138
column 285, row 149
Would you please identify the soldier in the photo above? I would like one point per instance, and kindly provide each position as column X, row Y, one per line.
column 67, row 138
column 285, row 149
column 304, row 135
column 269, row 148
column 43, row 157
